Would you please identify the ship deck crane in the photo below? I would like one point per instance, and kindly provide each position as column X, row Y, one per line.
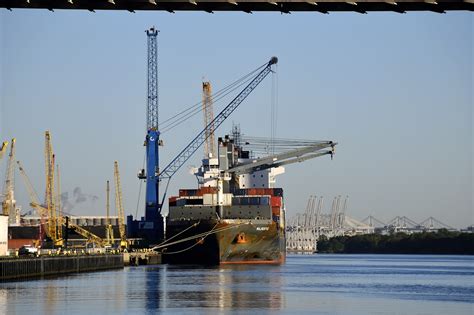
column 292, row 156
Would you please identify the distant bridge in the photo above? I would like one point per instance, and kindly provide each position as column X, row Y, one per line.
column 248, row 6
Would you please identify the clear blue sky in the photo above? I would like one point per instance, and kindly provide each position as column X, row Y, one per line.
column 396, row 91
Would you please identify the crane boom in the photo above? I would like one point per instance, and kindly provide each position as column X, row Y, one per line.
column 8, row 202
column 44, row 213
column 49, row 194
column 119, row 206
column 34, row 202
column 3, row 149
column 189, row 150
column 293, row 156
column 109, row 232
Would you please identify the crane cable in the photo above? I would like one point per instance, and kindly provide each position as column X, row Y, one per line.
column 190, row 247
column 205, row 234
column 218, row 93
column 174, row 236
column 198, row 110
column 140, row 187
column 189, row 112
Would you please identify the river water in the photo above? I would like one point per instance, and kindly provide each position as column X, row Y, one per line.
column 310, row 284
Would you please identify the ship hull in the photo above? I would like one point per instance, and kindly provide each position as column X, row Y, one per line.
column 225, row 242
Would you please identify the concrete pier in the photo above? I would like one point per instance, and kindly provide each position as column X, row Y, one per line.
column 141, row 258
column 21, row 268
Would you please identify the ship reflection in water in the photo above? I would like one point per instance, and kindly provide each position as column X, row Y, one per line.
column 220, row 287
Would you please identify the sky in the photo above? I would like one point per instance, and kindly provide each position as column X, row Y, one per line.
column 394, row 90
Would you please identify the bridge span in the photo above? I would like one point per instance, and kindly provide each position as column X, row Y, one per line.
column 248, row 6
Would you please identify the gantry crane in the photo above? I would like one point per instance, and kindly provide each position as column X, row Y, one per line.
column 119, row 206
column 109, row 232
column 208, row 112
column 3, row 149
column 8, row 202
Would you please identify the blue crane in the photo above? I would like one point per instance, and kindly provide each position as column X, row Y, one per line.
column 151, row 226
column 152, row 140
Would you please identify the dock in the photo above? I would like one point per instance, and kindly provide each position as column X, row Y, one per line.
column 43, row 266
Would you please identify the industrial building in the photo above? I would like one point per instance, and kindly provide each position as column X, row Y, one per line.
column 3, row 235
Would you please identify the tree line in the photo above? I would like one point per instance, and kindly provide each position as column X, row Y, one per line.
column 440, row 242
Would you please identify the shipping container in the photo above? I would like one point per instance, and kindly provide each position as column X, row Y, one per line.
column 278, row 192
column 181, row 202
column 187, row 192
column 276, row 210
column 276, row 201
column 207, row 190
column 173, row 199
column 265, row 200
column 254, row 201
column 195, row 201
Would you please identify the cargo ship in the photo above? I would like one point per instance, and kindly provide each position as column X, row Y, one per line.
column 236, row 215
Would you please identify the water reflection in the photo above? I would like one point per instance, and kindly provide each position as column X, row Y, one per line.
column 326, row 284
column 236, row 286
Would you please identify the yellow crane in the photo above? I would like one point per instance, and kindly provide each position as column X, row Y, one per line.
column 8, row 202
column 91, row 237
column 109, row 232
column 43, row 212
column 34, row 202
column 50, row 197
column 208, row 111
column 3, row 149
column 119, row 206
